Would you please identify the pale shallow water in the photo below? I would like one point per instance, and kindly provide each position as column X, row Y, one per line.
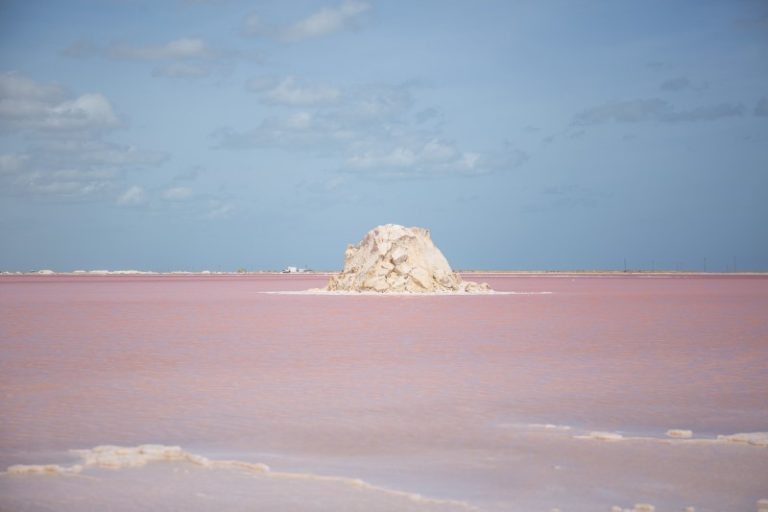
column 440, row 396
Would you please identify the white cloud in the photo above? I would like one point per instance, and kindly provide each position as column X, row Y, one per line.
column 326, row 21
column 63, row 180
column 94, row 154
column 85, row 111
column 288, row 91
column 135, row 195
column 433, row 157
column 74, row 167
column 178, row 49
column 177, row 194
column 353, row 105
column 26, row 104
column 428, row 157
column 64, row 154
column 378, row 103
column 370, row 128
column 19, row 87
column 297, row 131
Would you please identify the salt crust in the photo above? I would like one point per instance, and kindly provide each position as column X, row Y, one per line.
column 753, row 438
column 119, row 457
column 674, row 436
column 759, row 439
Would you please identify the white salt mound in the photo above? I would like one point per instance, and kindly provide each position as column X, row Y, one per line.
column 393, row 258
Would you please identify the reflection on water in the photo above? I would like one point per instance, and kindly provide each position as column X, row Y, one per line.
column 426, row 394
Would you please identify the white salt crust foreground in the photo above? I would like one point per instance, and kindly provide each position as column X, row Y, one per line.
column 393, row 258
column 68, row 483
column 120, row 457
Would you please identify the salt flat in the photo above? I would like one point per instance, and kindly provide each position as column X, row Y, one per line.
column 519, row 400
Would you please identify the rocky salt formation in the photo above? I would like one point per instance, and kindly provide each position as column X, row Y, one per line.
column 393, row 258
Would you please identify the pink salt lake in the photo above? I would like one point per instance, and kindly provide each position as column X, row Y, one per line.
column 473, row 402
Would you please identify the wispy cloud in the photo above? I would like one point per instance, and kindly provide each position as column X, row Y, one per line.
column 179, row 49
column 682, row 83
column 299, row 131
column 184, row 57
column 178, row 194
column 72, row 167
column 323, row 22
column 218, row 209
column 371, row 129
column 191, row 203
column 761, row 109
column 29, row 105
column 654, row 110
column 429, row 157
column 133, row 196
column 288, row 91
column 183, row 48
column 327, row 21
column 362, row 112
column 65, row 154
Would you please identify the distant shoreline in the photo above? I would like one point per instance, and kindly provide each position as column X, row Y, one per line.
column 510, row 273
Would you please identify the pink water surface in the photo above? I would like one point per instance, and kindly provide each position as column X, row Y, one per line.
column 403, row 389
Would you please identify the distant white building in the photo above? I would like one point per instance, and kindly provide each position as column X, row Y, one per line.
column 294, row 270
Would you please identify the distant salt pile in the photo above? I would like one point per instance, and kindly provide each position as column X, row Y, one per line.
column 680, row 433
column 639, row 507
column 602, row 436
column 392, row 258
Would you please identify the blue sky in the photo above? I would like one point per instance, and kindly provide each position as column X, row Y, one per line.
column 221, row 134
